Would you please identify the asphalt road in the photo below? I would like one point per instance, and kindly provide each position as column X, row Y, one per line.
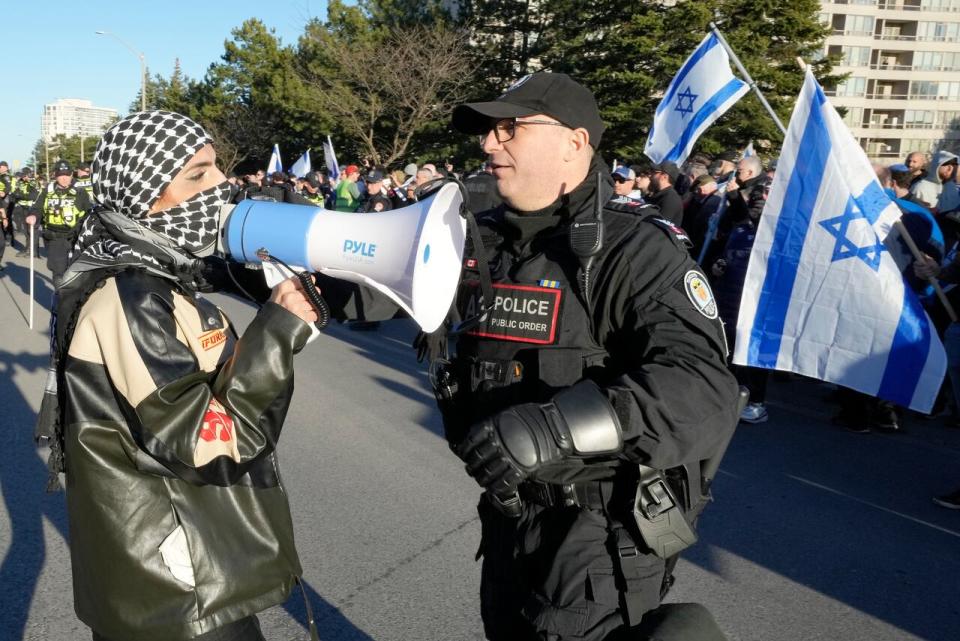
column 815, row 533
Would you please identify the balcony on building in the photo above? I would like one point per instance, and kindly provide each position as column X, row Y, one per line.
column 882, row 148
column 887, row 60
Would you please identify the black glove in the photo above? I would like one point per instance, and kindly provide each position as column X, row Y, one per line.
column 509, row 447
column 503, row 450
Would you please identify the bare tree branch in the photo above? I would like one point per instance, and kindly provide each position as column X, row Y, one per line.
column 384, row 91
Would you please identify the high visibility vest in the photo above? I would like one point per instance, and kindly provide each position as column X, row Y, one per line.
column 316, row 199
column 85, row 184
column 60, row 208
column 345, row 200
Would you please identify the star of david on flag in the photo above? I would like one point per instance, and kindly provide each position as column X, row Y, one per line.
column 685, row 100
column 702, row 91
column 823, row 295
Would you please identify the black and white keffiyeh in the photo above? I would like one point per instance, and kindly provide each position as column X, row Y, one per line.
column 135, row 161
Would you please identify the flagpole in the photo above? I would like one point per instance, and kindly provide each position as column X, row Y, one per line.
column 917, row 254
column 750, row 81
column 32, row 249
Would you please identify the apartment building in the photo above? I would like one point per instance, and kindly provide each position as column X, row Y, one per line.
column 903, row 57
column 73, row 117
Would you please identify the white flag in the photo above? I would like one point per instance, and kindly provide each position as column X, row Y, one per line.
column 302, row 167
column 275, row 165
column 823, row 296
column 330, row 159
column 701, row 92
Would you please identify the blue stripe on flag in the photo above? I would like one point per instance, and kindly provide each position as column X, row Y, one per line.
column 685, row 69
column 908, row 354
column 798, row 204
column 708, row 109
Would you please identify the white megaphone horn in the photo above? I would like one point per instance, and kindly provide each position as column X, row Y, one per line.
column 412, row 255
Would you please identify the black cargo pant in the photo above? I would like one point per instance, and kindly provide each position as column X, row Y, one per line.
column 550, row 576
column 58, row 254
column 247, row 629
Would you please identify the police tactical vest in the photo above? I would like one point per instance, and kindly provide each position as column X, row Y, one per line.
column 536, row 339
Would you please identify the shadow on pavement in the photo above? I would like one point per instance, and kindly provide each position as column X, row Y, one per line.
column 23, row 480
column 331, row 622
column 845, row 515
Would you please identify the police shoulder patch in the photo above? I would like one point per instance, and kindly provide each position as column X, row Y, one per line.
column 699, row 293
column 674, row 231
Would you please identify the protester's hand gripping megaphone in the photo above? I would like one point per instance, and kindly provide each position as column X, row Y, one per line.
column 411, row 255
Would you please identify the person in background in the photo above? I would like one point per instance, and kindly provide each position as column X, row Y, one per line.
column 347, row 193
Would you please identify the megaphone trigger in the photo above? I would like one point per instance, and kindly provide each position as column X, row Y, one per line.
column 275, row 271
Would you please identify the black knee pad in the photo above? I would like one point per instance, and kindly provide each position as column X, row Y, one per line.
column 679, row 622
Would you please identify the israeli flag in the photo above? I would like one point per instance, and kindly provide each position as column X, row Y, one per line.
column 823, row 296
column 275, row 165
column 701, row 92
column 748, row 151
column 302, row 167
column 330, row 159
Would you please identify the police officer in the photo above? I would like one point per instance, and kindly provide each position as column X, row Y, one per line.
column 6, row 180
column 589, row 376
column 84, row 181
column 312, row 191
column 24, row 194
column 62, row 205
column 376, row 200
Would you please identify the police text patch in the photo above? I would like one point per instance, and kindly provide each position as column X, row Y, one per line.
column 521, row 313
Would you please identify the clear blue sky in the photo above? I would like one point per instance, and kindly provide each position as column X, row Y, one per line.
column 50, row 51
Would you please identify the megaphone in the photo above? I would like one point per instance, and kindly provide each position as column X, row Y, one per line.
column 412, row 255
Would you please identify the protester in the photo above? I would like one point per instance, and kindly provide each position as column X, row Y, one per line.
column 746, row 197
column 916, row 162
column 624, row 187
column 163, row 420
column 347, row 193
column 663, row 195
column 704, row 203
column 942, row 171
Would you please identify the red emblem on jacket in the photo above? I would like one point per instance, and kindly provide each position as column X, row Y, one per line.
column 216, row 423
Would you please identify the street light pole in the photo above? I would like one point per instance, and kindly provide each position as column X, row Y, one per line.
column 143, row 66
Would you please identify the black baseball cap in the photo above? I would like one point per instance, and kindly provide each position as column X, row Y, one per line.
column 373, row 176
column 62, row 168
column 553, row 94
column 669, row 168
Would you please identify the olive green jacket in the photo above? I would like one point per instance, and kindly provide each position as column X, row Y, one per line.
column 179, row 523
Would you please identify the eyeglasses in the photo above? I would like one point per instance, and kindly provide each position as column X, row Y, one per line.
column 620, row 179
column 506, row 129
